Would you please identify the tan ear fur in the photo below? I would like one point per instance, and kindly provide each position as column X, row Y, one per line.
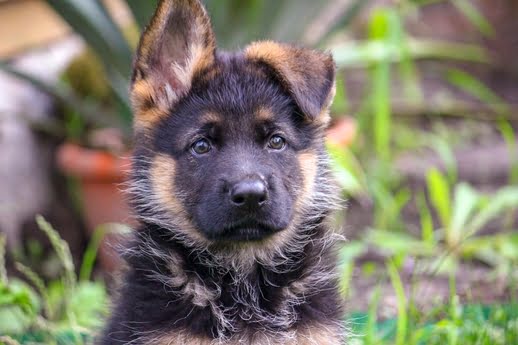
column 177, row 44
column 308, row 75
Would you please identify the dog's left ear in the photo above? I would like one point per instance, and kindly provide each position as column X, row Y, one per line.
column 177, row 44
column 308, row 75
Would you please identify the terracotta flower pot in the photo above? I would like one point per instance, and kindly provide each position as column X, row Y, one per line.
column 100, row 174
column 343, row 132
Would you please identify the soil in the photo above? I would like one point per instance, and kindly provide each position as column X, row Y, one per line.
column 484, row 165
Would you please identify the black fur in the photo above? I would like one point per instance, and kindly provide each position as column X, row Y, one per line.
column 146, row 306
column 204, row 267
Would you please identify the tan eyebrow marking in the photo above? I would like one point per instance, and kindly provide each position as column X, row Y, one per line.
column 264, row 114
column 211, row 117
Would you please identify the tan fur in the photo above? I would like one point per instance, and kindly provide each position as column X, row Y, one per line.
column 302, row 70
column 159, row 22
column 211, row 117
column 191, row 285
column 148, row 106
column 325, row 114
column 162, row 174
column 316, row 335
column 154, row 91
column 308, row 166
column 264, row 114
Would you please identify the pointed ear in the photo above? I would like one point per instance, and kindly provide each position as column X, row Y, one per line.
column 177, row 44
column 308, row 75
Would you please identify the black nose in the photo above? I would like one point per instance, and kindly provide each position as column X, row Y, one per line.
column 249, row 193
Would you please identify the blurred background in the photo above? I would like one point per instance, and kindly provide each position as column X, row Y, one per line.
column 423, row 144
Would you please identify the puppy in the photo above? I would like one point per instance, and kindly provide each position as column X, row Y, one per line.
column 232, row 187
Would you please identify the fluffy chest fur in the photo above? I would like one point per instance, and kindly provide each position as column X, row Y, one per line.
column 181, row 297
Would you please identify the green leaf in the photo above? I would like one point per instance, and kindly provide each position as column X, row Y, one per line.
column 91, row 20
column 142, row 11
column 466, row 200
column 89, row 304
column 347, row 170
column 13, row 320
column 494, row 250
column 505, row 199
column 19, row 305
column 354, row 54
column 352, row 250
column 439, row 191
column 396, row 243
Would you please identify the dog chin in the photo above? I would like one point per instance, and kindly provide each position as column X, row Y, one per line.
column 253, row 232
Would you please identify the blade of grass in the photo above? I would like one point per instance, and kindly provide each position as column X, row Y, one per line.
column 439, row 191
column 371, row 337
column 477, row 89
column 345, row 279
column 476, row 18
column 340, row 104
column 65, row 257
column 465, row 202
column 402, row 321
column 426, row 220
column 90, row 254
column 509, row 136
column 382, row 109
column 445, row 152
column 38, row 283
column 504, row 199
column 3, row 270
column 407, row 69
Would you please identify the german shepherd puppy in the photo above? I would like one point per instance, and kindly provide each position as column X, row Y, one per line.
column 232, row 187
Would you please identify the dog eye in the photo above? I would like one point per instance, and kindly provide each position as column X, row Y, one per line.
column 277, row 142
column 201, row 147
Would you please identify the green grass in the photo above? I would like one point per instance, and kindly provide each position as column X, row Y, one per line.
column 69, row 311
column 64, row 311
column 474, row 325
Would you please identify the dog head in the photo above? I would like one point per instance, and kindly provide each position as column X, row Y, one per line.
column 229, row 147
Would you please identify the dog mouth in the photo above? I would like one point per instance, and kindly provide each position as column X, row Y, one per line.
column 249, row 230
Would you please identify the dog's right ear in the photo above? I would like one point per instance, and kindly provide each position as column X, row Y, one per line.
column 177, row 44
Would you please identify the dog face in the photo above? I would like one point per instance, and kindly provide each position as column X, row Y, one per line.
column 227, row 145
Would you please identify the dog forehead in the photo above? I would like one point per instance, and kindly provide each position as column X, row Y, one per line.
column 237, row 90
